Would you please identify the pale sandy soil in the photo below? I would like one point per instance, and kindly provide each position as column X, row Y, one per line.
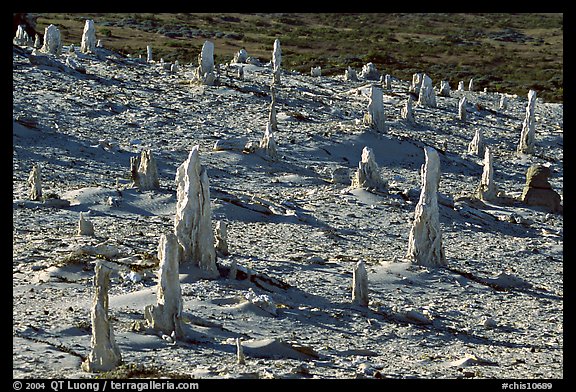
column 495, row 311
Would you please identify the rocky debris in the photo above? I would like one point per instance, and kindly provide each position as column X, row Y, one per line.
column 105, row 354
column 166, row 315
column 487, row 189
column 340, row 175
column 369, row 72
column 425, row 239
column 278, row 348
column 221, row 238
column 88, row 44
column 538, row 191
column 375, row 118
column 192, row 222
column 350, row 74
column 72, row 64
column 85, row 227
column 307, row 231
column 444, row 89
column 35, row 183
column 477, row 145
column 407, row 111
column 368, row 174
column 462, row 113
column 526, row 144
column 360, row 284
column 276, row 62
column 426, row 94
column 144, row 171
column 263, row 301
column 52, row 43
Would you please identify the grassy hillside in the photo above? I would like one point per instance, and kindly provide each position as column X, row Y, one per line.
column 503, row 52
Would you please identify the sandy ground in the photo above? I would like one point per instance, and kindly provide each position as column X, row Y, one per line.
column 495, row 310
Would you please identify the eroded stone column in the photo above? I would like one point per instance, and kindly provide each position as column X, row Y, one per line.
column 425, row 239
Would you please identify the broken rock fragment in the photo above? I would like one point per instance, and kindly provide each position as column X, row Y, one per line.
column 538, row 191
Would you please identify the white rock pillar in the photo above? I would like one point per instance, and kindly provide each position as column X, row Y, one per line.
column 350, row 75
column 375, row 118
column 207, row 58
column 369, row 72
column 206, row 72
column 88, row 44
column 461, row 85
column 416, row 83
column 193, row 220
column 37, row 42
column 462, row 113
column 407, row 112
column 477, row 145
column 276, row 61
column 360, row 284
column 315, row 71
column 148, row 54
column 35, row 183
column 240, row 358
column 241, row 56
column 425, row 239
column 368, row 174
column 526, row 144
column 21, row 37
column 272, row 112
column 221, row 238
column 85, row 227
column 52, row 43
column 503, row 102
column 388, row 82
column 426, row 95
column 444, row 88
column 144, row 171
column 487, row 189
column 268, row 143
column 105, row 354
column 471, row 85
column 166, row 315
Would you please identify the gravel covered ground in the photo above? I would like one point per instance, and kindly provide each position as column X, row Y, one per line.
column 495, row 310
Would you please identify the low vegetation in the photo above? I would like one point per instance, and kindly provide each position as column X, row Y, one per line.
column 511, row 52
